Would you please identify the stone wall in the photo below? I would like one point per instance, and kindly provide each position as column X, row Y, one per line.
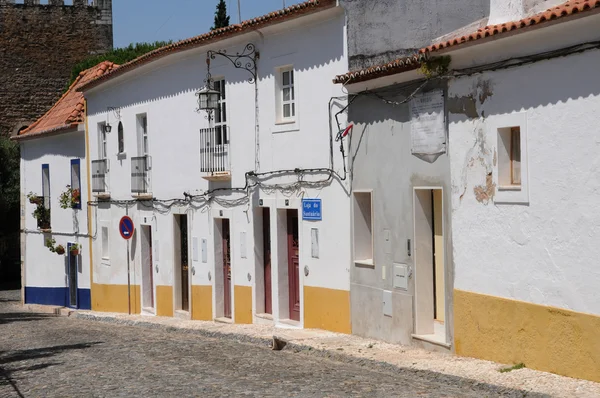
column 39, row 45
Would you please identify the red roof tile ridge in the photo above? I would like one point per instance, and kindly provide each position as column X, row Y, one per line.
column 217, row 34
column 76, row 115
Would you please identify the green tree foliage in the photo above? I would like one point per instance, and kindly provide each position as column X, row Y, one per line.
column 9, row 190
column 221, row 17
column 118, row 56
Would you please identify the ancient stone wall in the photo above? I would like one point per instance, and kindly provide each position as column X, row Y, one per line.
column 39, row 45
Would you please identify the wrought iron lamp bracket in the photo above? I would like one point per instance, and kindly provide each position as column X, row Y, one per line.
column 246, row 59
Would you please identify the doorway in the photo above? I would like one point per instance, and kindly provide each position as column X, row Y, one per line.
column 182, row 288
column 72, row 277
column 226, row 267
column 293, row 246
column 430, row 269
column 147, row 271
column 267, row 260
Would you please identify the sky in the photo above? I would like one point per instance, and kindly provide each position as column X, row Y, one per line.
column 152, row 20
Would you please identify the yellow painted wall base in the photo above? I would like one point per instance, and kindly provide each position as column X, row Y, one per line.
column 327, row 309
column 243, row 304
column 202, row 303
column 543, row 338
column 164, row 300
column 113, row 298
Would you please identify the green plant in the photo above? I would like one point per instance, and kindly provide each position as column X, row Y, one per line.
column 437, row 66
column 60, row 250
column 511, row 368
column 221, row 17
column 42, row 215
column 70, row 198
column 50, row 244
column 34, row 199
column 75, row 247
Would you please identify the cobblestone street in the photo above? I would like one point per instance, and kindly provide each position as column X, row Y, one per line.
column 48, row 356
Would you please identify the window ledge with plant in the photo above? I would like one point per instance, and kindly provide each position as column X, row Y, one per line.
column 71, row 198
column 41, row 213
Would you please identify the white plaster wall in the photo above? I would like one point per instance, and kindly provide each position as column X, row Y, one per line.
column 544, row 252
column 42, row 267
column 513, row 10
column 165, row 90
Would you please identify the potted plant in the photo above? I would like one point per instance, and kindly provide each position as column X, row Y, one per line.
column 42, row 215
column 60, row 250
column 75, row 247
column 70, row 198
column 35, row 199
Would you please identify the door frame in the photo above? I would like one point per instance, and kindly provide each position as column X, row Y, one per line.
column 69, row 244
column 177, row 299
column 415, row 256
column 152, row 270
column 217, row 216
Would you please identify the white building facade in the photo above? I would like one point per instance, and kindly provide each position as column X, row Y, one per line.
column 521, row 192
column 240, row 214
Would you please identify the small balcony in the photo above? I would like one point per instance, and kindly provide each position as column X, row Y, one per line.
column 100, row 178
column 140, row 177
column 215, row 162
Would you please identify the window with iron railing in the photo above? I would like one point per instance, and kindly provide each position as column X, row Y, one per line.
column 140, row 174
column 214, row 150
column 100, row 175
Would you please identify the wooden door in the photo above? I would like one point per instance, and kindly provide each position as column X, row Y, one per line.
column 267, row 254
column 226, row 270
column 72, row 277
column 185, row 292
column 147, row 274
column 293, row 264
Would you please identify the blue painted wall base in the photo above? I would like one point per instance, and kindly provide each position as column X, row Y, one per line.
column 57, row 296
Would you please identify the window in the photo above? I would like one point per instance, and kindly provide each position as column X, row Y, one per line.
column 142, row 126
column 43, row 217
column 509, row 154
column 511, row 169
column 102, row 152
column 363, row 228
column 121, row 138
column 105, row 243
column 221, row 137
column 76, row 181
column 286, row 95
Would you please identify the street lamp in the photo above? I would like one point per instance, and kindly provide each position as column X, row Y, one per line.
column 208, row 98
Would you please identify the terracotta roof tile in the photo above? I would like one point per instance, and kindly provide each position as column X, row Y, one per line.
column 568, row 8
column 68, row 111
column 275, row 17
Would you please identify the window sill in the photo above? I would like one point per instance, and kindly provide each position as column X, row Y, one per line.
column 102, row 195
column 105, row 261
column 45, row 230
column 142, row 196
column 285, row 126
column 509, row 188
column 369, row 263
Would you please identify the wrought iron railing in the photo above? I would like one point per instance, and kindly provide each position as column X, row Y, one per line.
column 100, row 175
column 140, row 174
column 214, row 150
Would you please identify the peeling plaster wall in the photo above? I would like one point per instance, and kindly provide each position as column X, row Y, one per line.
column 544, row 252
column 381, row 160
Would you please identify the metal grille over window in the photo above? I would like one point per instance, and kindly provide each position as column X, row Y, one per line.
column 140, row 174
column 214, row 150
column 99, row 175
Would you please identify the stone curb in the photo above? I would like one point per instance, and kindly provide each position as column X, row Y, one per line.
column 324, row 353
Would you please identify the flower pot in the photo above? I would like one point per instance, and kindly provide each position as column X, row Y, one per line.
column 60, row 250
column 35, row 201
column 75, row 252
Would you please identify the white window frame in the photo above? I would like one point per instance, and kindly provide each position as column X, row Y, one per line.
column 224, row 138
column 364, row 262
column 143, row 136
column 507, row 193
column 293, row 101
column 102, row 141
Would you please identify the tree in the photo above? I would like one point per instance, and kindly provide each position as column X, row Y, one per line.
column 221, row 17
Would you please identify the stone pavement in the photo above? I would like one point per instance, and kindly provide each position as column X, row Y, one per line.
column 43, row 355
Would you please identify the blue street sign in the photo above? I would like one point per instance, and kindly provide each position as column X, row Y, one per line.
column 312, row 210
column 126, row 227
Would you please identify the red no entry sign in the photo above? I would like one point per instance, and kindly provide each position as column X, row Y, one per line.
column 126, row 227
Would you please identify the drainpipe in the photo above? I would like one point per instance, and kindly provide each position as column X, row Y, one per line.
column 256, row 111
column 89, row 206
